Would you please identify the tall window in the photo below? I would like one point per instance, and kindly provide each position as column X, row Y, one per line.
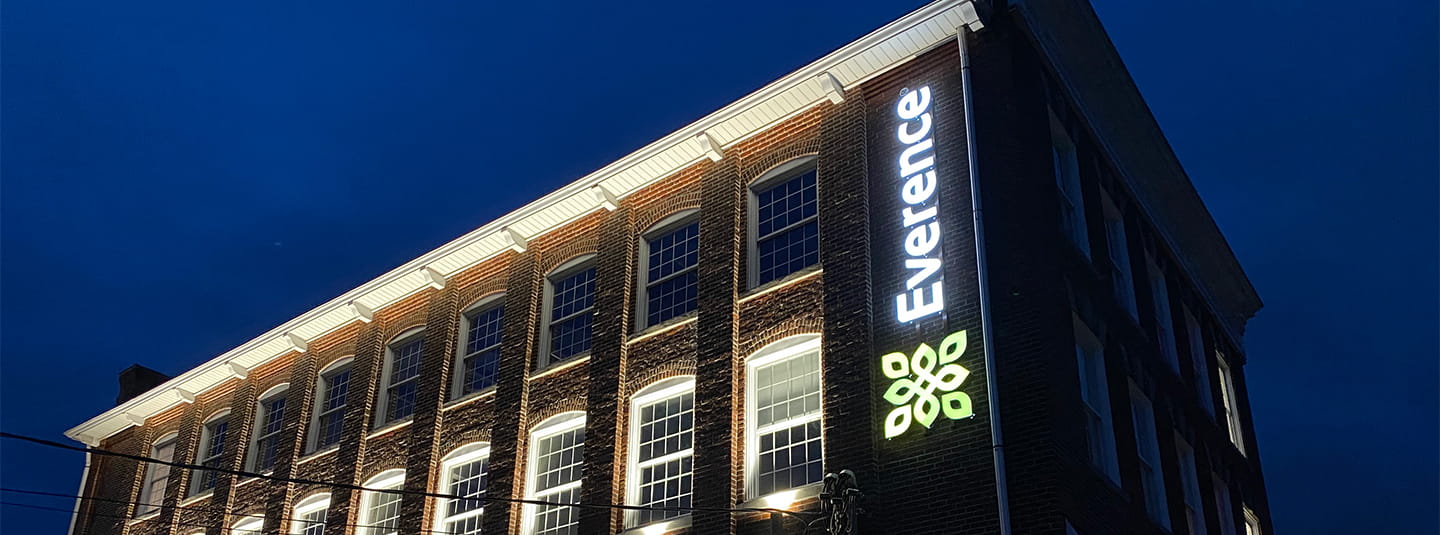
column 1190, row 481
column 557, row 454
column 480, row 348
column 1198, row 363
column 463, row 473
column 152, row 491
column 1095, row 400
column 332, row 396
column 380, row 511
column 309, row 517
column 783, row 432
column 400, row 379
column 211, row 453
column 662, row 438
column 1147, row 446
column 571, row 312
column 1067, row 179
column 785, row 222
column 1120, row 275
column 1223, row 506
column 250, row 525
column 269, row 419
column 670, row 256
column 1231, row 403
column 1252, row 522
column 1164, row 321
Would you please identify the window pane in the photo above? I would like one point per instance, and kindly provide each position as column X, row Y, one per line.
column 382, row 517
column 674, row 252
column 671, row 298
column 665, row 456
column 407, row 360
column 312, row 523
column 570, row 314
column 786, row 232
column 787, row 419
column 463, row 517
column 789, row 251
column 559, row 462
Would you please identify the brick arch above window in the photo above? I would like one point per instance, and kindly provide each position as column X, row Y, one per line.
column 793, row 326
column 644, row 218
column 644, row 378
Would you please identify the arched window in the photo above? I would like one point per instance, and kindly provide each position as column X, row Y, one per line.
column 783, row 448
column 269, row 420
column 669, row 254
column 662, row 449
column 332, row 391
column 569, row 311
column 152, row 488
column 557, row 454
column 400, row 378
column 463, row 473
column 784, row 221
column 380, row 511
column 250, row 525
column 309, row 516
column 211, row 452
column 478, row 360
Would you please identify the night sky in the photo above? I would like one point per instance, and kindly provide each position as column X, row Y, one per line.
column 179, row 177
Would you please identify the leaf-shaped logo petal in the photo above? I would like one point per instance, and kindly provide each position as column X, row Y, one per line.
column 900, row 392
column 952, row 347
column 895, row 365
column 956, row 405
column 897, row 421
column 926, row 409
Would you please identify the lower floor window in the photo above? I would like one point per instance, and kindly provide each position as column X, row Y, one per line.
column 783, row 421
column 557, row 453
column 464, row 473
column 380, row 511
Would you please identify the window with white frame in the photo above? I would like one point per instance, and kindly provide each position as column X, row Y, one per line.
column 1252, row 522
column 783, row 416
column 1095, row 400
column 784, row 221
column 1067, row 179
column 332, row 393
column 1164, row 321
column 250, row 525
column 400, row 379
column 211, row 453
column 380, row 511
column 479, row 363
column 1198, row 363
column 1190, row 483
column 1119, row 248
column 1231, row 403
column 670, row 255
column 1147, row 448
column 269, row 420
column 309, row 516
column 571, row 313
column 152, row 490
column 662, row 449
column 1225, row 509
column 463, row 472
column 557, row 455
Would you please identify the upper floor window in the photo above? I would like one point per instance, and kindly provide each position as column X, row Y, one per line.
column 400, row 379
column 269, row 420
column 557, row 454
column 309, row 518
column 1147, row 448
column 1198, row 364
column 670, row 255
column 662, row 438
column 783, row 447
column 1164, row 320
column 1190, row 484
column 331, row 398
column 380, row 511
column 1231, row 403
column 211, row 453
column 152, row 489
column 463, row 473
column 1119, row 248
column 784, row 221
column 571, row 312
column 1067, row 178
column 479, row 363
column 250, row 525
column 1095, row 399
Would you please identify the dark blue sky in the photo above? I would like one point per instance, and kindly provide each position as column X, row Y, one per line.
column 179, row 177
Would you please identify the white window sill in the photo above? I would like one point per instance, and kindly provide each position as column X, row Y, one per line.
column 390, row 427
column 558, row 367
column 784, row 499
column 318, row 454
column 781, row 283
column 197, row 498
column 152, row 515
column 659, row 528
column 468, row 399
column 664, row 326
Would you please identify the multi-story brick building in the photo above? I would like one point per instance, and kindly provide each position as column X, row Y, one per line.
column 799, row 283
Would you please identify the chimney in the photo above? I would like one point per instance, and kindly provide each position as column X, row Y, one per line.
column 136, row 380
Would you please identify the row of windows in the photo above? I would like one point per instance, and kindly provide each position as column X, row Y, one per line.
column 783, row 451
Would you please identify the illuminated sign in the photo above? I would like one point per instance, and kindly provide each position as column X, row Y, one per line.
column 923, row 294
column 917, row 378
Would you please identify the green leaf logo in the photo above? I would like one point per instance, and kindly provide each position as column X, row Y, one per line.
column 916, row 382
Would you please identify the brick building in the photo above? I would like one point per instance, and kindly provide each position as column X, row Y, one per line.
column 796, row 284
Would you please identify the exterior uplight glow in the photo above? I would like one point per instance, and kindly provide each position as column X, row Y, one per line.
column 924, row 293
column 916, row 380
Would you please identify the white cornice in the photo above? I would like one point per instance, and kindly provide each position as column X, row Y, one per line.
column 822, row 81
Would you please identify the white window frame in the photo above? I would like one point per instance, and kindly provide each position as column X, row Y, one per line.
column 569, row 268
column 798, row 346
column 258, row 434
column 1252, row 521
column 1119, row 251
column 1147, row 454
column 1190, row 485
column 467, row 319
column 148, row 503
column 784, row 171
column 1223, row 505
column 659, row 230
column 1065, row 163
column 1095, row 400
column 250, row 525
column 658, row 391
column 560, row 423
column 308, row 506
column 1164, row 317
column 1231, row 402
column 202, row 452
column 1198, row 362
column 382, row 401
column 388, row 480
column 476, row 451
column 322, row 385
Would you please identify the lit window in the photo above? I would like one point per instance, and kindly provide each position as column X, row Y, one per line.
column 152, row 491
column 1120, row 275
column 1095, row 399
column 1067, row 178
column 1252, row 522
column 1223, row 505
column 662, row 438
column 1198, row 365
column 332, row 397
column 1164, row 321
column 269, row 419
column 1190, row 483
column 1147, row 446
column 670, row 255
column 786, row 226
column 380, row 511
column 571, row 312
column 783, row 430
column 211, row 453
column 1231, row 403
column 250, row 525
column 480, row 348
column 400, row 379
column 557, row 454
column 309, row 516
column 463, row 473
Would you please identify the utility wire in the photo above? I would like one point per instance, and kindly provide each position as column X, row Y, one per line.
column 283, row 520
